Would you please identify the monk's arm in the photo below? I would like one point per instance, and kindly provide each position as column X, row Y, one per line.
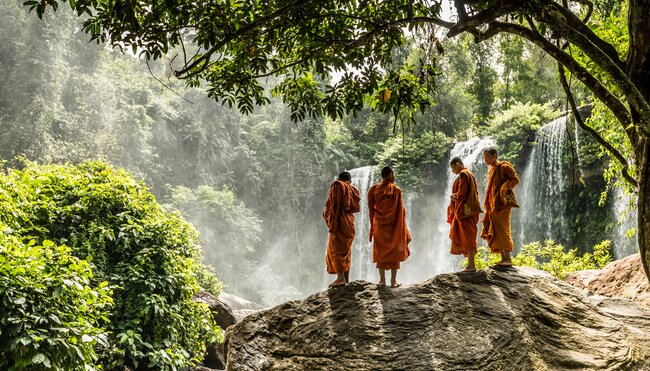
column 512, row 177
column 399, row 207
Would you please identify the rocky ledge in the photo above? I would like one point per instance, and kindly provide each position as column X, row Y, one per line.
column 500, row 320
column 623, row 278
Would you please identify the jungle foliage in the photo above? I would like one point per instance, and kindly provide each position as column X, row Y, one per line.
column 95, row 272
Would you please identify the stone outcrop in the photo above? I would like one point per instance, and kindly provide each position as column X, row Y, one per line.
column 221, row 312
column 515, row 319
column 240, row 306
column 224, row 317
column 623, row 278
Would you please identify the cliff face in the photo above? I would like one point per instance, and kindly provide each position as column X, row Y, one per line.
column 508, row 320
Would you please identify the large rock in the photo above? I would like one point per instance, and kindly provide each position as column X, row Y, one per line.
column 517, row 319
column 621, row 278
column 223, row 316
column 221, row 312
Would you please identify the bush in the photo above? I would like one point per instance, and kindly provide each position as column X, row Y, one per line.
column 551, row 258
column 50, row 315
column 150, row 257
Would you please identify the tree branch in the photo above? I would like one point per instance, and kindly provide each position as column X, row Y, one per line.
column 610, row 100
column 581, row 28
column 228, row 38
column 592, row 48
column 615, row 153
column 466, row 23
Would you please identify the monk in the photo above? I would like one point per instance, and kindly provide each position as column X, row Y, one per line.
column 463, row 212
column 388, row 227
column 342, row 202
column 499, row 201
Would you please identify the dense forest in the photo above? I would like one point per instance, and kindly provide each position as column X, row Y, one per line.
column 254, row 185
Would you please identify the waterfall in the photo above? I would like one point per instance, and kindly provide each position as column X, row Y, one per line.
column 624, row 237
column 543, row 194
column 430, row 246
column 362, row 267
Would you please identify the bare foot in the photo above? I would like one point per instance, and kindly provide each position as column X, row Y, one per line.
column 381, row 283
column 469, row 269
column 338, row 283
column 395, row 284
column 504, row 264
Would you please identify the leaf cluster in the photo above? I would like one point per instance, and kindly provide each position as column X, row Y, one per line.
column 52, row 312
column 149, row 258
column 232, row 45
column 514, row 129
column 551, row 257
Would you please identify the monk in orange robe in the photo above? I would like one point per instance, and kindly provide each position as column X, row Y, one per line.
column 463, row 212
column 388, row 227
column 499, row 201
column 342, row 202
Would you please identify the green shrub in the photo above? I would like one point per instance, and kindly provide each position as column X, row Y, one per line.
column 149, row 256
column 50, row 314
column 551, row 257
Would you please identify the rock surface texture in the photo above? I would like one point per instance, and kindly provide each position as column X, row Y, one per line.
column 515, row 319
column 223, row 316
column 621, row 278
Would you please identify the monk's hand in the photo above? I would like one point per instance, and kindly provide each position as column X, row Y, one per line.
column 454, row 197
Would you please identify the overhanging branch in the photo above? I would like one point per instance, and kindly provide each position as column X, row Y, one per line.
column 600, row 91
column 574, row 108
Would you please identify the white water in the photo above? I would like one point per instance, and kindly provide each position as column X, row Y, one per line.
column 624, row 237
column 543, row 192
column 362, row 268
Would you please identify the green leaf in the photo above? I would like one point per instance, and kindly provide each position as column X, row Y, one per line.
column 38, row 358
column 19, row 301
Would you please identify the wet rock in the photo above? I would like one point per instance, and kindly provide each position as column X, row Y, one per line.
column 515, row 319
column 623, row 278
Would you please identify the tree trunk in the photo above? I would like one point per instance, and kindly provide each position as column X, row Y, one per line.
column 638, row 68
column 642, row 154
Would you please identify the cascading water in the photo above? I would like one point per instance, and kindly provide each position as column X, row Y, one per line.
column 362, row 267
column 624, row 238
column 430, row 245
column 543, row 194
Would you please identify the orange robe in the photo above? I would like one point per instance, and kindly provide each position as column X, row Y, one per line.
column 388, row 225
column 342, row 201
column 502, row 179
column 463, row 213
